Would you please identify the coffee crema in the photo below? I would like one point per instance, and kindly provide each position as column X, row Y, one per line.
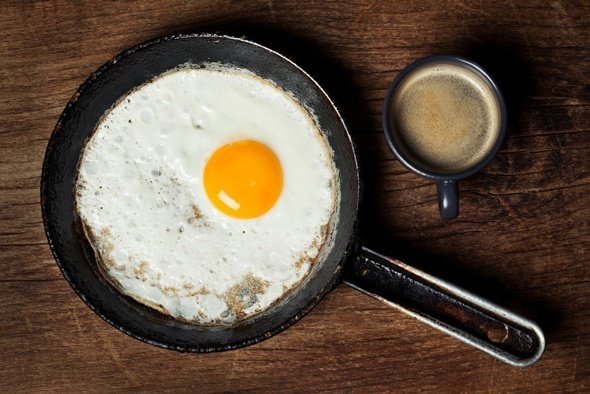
column 445, row 118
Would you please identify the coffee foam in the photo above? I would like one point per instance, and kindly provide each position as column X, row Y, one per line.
column 445, row 117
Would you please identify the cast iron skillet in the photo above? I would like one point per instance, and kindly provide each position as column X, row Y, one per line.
column 471, row 319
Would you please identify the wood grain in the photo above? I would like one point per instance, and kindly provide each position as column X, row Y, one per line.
column 521, row 238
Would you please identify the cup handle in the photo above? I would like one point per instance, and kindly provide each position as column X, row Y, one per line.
column 448, row 198
column 495, row 330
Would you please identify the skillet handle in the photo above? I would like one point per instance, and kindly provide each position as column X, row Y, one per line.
column 467, row 317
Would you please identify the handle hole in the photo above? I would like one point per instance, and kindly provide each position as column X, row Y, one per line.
column 498, row 334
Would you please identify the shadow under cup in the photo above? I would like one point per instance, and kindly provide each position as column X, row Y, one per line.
column 445, row 119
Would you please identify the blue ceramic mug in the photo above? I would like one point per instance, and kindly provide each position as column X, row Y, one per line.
column 445, row 119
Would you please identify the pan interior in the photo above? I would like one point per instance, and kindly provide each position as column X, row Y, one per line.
column 105, row 87
column 215, row 268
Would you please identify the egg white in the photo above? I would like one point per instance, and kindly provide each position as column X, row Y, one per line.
column 141, row 199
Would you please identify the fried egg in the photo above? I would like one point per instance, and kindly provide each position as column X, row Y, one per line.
column 207, row 194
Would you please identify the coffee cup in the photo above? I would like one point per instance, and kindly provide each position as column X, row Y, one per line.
column 445, row 119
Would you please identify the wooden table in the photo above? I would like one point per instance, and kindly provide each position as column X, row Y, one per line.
column 522, row 238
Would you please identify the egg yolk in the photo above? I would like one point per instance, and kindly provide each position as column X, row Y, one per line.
column 243, row 179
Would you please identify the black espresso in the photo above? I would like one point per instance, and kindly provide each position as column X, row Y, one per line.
column 445, row 117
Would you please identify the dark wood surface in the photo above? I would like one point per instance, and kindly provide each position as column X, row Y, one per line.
column 522, row 238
